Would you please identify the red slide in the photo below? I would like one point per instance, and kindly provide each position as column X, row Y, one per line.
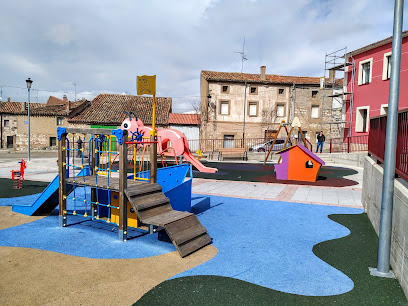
column 196, row 163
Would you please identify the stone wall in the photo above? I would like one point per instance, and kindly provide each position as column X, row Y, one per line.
column 371, row 199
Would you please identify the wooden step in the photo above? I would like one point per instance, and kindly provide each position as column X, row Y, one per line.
column 182, row 224
column 166, row 218
column 153, row 212
column 193, row 245
column 188, row 234
column 149, row 201
column 138, row 190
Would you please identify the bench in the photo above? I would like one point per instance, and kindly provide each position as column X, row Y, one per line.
column 241, row 152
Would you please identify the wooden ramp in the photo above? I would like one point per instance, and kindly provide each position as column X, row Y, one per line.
column 153, row 208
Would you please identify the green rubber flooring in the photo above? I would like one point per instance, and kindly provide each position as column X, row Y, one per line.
column 352, row 255
column 29, row 187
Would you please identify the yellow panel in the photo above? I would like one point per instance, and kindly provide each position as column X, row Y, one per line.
column 132, row 216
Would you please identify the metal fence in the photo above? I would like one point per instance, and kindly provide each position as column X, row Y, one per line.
column 349, row 144
column 250, row 144
column 376, row 142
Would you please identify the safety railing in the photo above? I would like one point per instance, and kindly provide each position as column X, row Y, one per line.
column 348, row 144
column 376, row 142
column 250, row 144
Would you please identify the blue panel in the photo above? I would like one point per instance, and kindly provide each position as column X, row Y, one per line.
column 60, row 131
column 119, row 135
column 174, row 187
column 48, row 199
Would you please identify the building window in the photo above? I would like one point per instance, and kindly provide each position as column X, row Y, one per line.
column 384, row 109
column 6, row 123
column 386, row 66
column 224, row 108
column 365, row 71
column 362, row 121
column 60, row 120
column 253, row 109
column 53, row 141
column 228, row 141
column 315, row 111
column 225, row 89
column 270, row 134
column 281, row 91
column 253, row 90
column 314, row 93
column 280, row 110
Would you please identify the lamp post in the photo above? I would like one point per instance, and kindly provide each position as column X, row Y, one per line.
column 29, row 81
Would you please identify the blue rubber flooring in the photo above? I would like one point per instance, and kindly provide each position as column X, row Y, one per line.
column 270, row 244
column 263, row 242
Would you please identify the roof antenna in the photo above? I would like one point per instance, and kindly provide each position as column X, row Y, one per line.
column 132, row 113
column 243, row 55
column 127, row 113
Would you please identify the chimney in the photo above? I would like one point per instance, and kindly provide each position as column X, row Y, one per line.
column 263, row 73
column 23, row 106
column 8, row 99
column 64, row 97
column 67, row 104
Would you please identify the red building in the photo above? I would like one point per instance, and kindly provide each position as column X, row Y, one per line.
column 368, row 81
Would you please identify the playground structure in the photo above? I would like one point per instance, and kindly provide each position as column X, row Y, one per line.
column 170, row 142
column 18, row 175
column 295, row 124
column 298, row 164
column 118, row 199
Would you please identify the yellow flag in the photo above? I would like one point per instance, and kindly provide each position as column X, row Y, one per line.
column 146, row 85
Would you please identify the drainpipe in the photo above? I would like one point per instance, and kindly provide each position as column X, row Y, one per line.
column 384, row 241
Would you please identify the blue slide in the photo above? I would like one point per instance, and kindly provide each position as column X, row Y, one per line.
column 48, row 199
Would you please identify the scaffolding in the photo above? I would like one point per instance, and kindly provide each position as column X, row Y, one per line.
column 335, row 95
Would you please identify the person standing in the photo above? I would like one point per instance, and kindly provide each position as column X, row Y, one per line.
column 320, row 140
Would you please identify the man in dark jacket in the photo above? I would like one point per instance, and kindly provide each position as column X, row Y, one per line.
column 320, row 140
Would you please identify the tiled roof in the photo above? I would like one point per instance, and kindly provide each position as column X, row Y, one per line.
column 256, row 78
column 55, row 101
column 16, row 107
column 107, row 109
column 39, row 109
column 376, row 44
column 184, row 119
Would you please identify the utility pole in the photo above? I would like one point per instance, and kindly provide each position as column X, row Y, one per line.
column 243, row 58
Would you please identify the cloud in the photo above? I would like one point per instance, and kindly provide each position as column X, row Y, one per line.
column 102, row 45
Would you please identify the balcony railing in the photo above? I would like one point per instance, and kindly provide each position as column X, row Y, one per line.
column 376, row 142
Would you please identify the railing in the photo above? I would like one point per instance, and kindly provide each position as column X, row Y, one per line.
column 349, row 144
column 376, row 142
column 250, row 144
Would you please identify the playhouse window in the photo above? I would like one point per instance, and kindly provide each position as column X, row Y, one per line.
column 309, row 164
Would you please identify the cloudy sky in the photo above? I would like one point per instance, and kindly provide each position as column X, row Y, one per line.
column 102, row 45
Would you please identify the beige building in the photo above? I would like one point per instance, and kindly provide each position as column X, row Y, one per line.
column 44, row 121
column 236, row 103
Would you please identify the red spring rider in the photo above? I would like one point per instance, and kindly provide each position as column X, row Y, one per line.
column 18, row 175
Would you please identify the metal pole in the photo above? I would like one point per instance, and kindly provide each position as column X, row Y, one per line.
column 243, row 127
column 29, row 157
column 384, row 242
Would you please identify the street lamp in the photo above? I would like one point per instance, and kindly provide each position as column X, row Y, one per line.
column 29, row 81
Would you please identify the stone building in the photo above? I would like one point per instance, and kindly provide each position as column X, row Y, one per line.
column 269, row 99
column 44, row 120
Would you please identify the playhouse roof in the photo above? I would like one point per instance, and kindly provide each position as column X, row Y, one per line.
column 307, row 151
